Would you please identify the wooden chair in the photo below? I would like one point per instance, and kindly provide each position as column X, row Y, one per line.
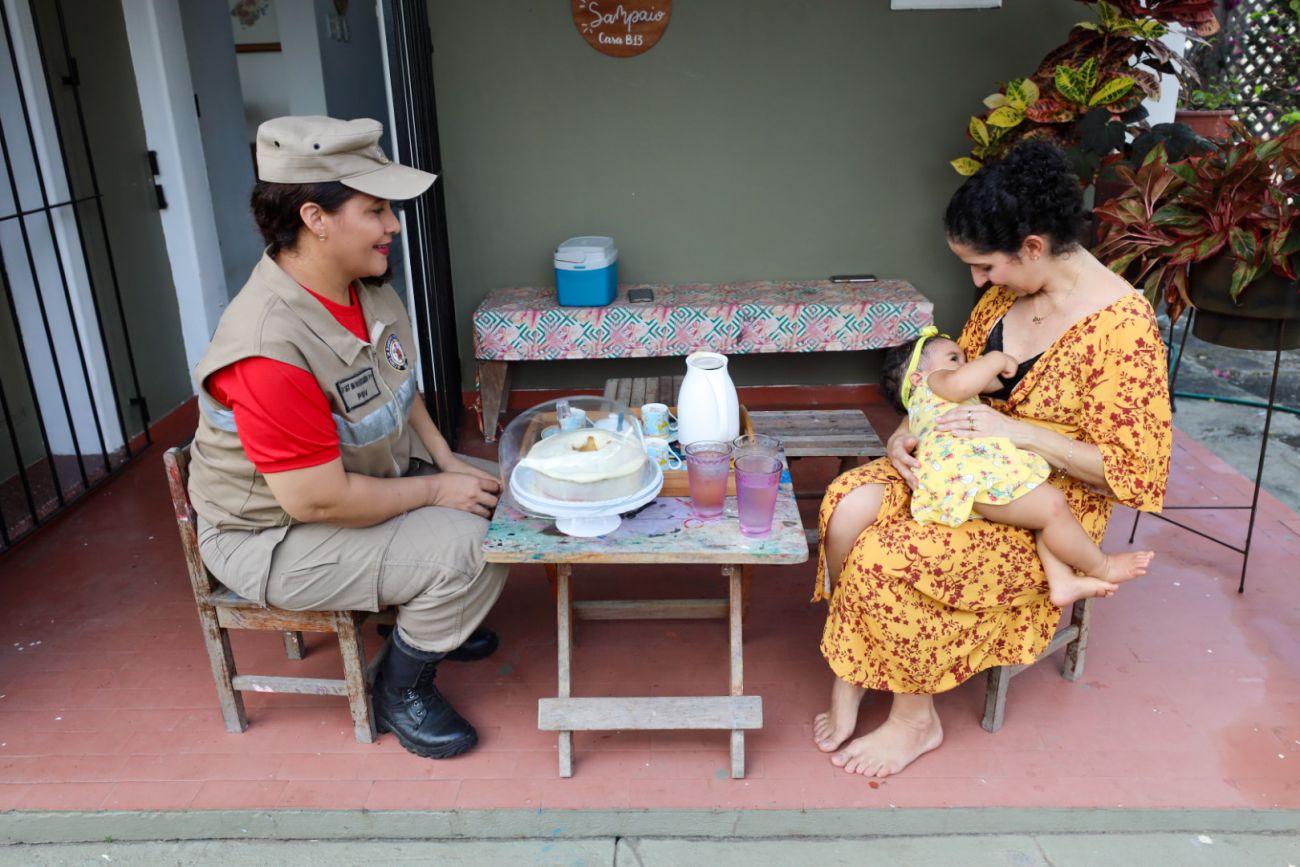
column 1073, row 636
column 221, row 609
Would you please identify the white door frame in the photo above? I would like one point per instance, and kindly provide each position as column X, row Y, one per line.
column 162, row 76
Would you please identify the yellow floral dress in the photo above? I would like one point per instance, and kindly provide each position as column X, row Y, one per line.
column 958, row 472
column 921, row 608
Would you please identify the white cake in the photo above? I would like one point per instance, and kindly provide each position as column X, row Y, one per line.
column 589, row 464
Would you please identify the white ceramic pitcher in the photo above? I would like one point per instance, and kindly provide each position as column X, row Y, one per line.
column 707, row 406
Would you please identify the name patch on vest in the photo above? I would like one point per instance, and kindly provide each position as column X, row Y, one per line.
column 358, row 389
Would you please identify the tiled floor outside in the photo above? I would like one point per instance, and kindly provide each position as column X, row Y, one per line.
column 1191, row 696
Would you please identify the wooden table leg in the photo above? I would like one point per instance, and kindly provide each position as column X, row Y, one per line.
column 735, row 612
column 563, row 634
column 493, row 390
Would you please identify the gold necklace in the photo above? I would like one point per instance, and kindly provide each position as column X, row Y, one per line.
column 1039, row 320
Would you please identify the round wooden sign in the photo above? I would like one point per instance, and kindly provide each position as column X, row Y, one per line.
column 622, row 28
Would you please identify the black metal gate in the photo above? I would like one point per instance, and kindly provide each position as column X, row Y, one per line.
column 63, row 334
column 410, row 69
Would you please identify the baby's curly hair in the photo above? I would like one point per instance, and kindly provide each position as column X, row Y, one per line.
column 893, row 369
column 1030, row 192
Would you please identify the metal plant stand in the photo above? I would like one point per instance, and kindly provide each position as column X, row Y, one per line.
column 1259, row 470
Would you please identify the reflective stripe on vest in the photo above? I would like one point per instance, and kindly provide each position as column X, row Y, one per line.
column 374, row 427
column 221, row 419
column 380, row 423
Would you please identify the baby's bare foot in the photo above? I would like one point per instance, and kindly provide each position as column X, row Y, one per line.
column 1127, row 566
column 887, row 750
column 832, row 728
column 1067, row 590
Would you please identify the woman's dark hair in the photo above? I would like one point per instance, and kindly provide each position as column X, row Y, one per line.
column 1030, row 192
column 893, row 368
column 276, row 206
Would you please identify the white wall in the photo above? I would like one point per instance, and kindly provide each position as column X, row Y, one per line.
column 300, row 44
column 162, row 76
column 215, row 77
column 265, row 89
column 288, row 81
column 354, row 70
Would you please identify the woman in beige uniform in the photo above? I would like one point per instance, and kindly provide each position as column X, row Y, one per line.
column 319, row 479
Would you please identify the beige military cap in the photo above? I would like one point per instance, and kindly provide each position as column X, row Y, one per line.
column 312, row 150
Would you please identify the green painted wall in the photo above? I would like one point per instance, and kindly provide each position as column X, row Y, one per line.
column 759, row 139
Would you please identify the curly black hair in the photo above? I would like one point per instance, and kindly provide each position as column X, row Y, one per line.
column 275, row 209
column 1030, row 192
column 893, row 368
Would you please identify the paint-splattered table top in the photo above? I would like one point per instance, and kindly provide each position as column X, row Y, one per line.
column 665, row 531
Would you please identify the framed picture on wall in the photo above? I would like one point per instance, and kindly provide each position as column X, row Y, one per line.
column 254, row 25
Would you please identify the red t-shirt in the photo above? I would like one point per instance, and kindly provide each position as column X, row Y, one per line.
column 283, row 417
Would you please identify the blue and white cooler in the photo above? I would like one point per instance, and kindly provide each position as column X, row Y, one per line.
column 586, row 271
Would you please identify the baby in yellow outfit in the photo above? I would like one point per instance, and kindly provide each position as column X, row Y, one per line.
column 963, row 477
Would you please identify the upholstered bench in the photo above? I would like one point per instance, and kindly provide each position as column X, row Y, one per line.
column 528, row 324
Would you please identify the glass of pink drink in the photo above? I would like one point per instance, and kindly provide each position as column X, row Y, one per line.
column 757, row 478
column 708, row 463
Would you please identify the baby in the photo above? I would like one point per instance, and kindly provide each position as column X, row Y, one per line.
column 989, row 475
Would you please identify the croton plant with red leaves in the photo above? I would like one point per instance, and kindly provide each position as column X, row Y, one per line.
column 1239, row 200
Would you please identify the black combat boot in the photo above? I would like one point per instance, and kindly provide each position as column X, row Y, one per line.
column 410, row 706
column 481, row 644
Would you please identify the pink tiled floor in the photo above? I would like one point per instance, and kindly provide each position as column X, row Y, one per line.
column 1191, row 696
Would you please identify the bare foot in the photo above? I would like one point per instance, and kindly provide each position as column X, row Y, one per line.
column 832, row 728
column 1125, row 567
column 1067, row 590
column 898, row 742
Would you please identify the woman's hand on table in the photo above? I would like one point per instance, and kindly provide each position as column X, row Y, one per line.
column 476, row 494
column 899, row 449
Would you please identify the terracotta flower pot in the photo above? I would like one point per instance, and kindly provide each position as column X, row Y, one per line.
column 1207, row 124
column 1251, row 321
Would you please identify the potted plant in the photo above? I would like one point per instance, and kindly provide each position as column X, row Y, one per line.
column 1207, row 110
column 1087, row 93
column 1250, row 70
column 1217, row 231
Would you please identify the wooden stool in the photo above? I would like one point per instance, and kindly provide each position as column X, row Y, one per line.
column 221, row 609
column 1073, row 636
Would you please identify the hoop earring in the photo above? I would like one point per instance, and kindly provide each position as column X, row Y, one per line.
column 322, row 237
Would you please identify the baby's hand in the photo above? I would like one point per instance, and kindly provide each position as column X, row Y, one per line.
column 1009, row 365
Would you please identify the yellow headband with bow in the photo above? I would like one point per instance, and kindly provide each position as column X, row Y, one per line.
column 905, row 387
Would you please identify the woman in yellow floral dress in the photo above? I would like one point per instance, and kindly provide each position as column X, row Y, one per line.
column 916, row 610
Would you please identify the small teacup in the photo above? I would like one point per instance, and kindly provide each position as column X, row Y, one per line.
column 576, row 419
column 659, row 451
column 657, row 420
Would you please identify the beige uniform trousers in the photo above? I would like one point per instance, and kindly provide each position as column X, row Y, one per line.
column 428, row 562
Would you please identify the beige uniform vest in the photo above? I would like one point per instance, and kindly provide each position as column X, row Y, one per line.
column 370, row 388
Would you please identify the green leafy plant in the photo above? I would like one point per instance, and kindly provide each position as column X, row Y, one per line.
column 1087, row 93
column 1251, row 66
column 1239, row 200
column 1213, row 97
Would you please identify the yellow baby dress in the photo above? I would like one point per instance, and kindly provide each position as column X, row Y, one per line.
column 957, row 472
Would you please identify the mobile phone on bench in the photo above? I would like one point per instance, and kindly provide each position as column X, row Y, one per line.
column 853, row 278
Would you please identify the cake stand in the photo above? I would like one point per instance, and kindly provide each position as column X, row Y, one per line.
column 594, row 518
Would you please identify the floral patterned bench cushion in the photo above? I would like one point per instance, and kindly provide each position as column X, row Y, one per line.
column 527, row 324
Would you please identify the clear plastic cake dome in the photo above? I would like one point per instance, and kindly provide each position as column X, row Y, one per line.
column 597, row 456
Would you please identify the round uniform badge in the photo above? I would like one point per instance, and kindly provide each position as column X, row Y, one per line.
column 394, row 353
